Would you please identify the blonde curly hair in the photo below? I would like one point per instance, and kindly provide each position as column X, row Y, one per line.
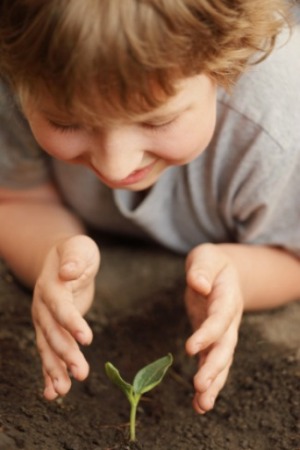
column 131, row 53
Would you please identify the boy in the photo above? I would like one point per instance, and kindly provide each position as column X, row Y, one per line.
column 153, row 128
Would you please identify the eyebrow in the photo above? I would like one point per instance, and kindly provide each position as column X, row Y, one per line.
column 151, row 117
column 60, row 117
column 168, row 115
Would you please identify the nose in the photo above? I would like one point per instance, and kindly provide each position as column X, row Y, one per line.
column 117, row 152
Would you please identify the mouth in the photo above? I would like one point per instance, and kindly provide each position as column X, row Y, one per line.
column 135, row 177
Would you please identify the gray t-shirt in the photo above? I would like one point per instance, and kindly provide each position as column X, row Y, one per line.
column 21, row 162
column 244, row 188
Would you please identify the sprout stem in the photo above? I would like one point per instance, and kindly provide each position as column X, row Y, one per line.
column 133, row 410
column 134, row 404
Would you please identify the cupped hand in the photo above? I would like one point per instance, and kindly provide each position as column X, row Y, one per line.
column 215, row 306
column 62, row 295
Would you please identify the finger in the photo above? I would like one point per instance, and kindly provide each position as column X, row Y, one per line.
column 62, row 344
column 71, row 320
column 203, row 266
column 196, row 307
column 208, row 262
column 210, row 332
column 205, row 401
column 49, row 391
column 217, row 359
column 54, row 368
column 79, row 256
column 222, row 311
column 59, row 301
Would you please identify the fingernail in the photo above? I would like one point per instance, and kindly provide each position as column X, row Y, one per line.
column 69, row 264
column 197, row 347
column 80, row 337
column 212, row 401
column 206, row 286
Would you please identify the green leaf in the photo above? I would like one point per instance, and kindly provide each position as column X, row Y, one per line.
column 151, row 375
column 114, row 375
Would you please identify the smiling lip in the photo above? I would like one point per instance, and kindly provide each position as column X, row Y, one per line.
column 133, row 178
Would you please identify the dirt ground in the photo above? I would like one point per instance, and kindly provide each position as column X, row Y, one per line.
column 138, row 316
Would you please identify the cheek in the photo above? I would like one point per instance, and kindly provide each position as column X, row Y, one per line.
column 188, row 141
column 64, row 146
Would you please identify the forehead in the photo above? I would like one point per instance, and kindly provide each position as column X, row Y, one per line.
column 98, row 112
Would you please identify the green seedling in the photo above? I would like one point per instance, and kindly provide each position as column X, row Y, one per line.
column 145, row 380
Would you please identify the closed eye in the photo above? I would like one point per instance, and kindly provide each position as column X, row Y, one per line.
column 159, row 126
column 64, row 128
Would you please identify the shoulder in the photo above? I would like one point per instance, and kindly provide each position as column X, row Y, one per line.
column 22, row 162
column 268, row 94
column 15, row 133
column 7, row 102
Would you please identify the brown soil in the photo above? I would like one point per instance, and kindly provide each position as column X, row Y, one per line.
column 139, row 316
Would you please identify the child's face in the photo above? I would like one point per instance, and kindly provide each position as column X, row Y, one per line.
column 133, row 155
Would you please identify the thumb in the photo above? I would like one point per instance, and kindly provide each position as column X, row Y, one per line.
column 203, row 265
column 78, row 255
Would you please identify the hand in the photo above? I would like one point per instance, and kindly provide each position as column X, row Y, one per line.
column 215, row 306
column 63, row 293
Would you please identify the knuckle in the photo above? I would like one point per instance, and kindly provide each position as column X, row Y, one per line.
column 68, row 319
column 53, row 305
column 66, row 353
column 48, row 332
column 213, row 331
column 52, row 372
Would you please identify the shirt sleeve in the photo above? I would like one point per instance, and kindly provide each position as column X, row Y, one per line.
column 259, row 185
column 22, row 163
column 260, row 190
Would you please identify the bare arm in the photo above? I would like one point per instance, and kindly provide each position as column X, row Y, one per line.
column 269, row 276
column 44, row 245
column 32, row 221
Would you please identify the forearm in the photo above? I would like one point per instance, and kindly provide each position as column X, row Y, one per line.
column 28, row 230
column 269, row 277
